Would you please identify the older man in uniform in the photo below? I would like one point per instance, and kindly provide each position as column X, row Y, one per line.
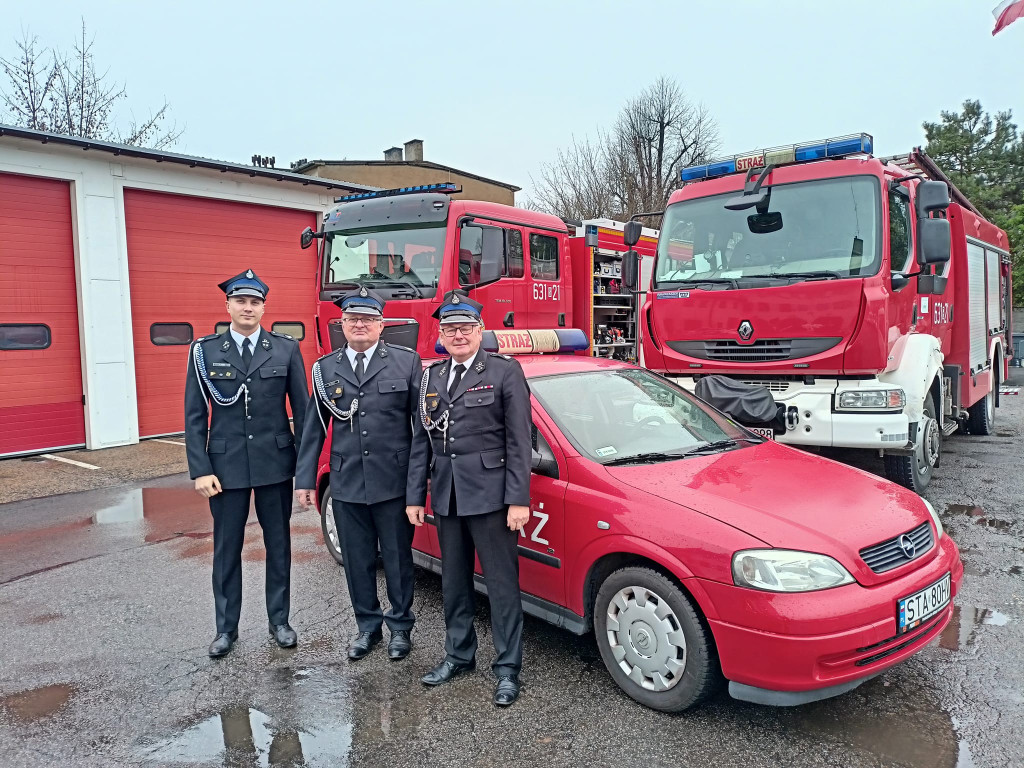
column 476, row 408
column 370, row 389
column 239, row 444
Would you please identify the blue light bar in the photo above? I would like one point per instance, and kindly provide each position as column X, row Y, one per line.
column 445, row 188
column 842, row 146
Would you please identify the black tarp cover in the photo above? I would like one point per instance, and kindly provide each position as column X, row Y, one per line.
column 749, row 404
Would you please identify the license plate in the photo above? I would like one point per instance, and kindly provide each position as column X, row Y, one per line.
column 915, row 608
column 766, row 432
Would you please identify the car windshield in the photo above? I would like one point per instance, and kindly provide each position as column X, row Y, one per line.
column 815, row 229
column 609, row 416
column 409, row 257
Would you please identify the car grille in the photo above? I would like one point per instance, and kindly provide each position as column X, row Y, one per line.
column 760, row 351
column 889, row 554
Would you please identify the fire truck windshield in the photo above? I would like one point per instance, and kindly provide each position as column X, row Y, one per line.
column 406, row 260
column 810, row 230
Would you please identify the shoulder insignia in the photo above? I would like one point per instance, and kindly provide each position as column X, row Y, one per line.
column 498, row 354
column 282, row 335
column 396, row 346
column 437, row 362
column 382, row 350
column 211, row 336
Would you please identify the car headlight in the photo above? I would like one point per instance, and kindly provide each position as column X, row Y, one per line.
column 935, row 519
column 784, row 570
column 873, row 399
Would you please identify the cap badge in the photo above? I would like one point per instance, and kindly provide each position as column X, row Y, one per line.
column 248, row 274
column 362, row 292
column 456, row 299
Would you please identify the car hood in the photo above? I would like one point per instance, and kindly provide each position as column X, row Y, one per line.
column 787, row 498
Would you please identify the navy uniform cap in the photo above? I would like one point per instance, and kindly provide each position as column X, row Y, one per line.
column 245, row 284
column 457, row 307
column 362, row 301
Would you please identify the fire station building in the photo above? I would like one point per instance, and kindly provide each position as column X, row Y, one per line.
column 110, row 257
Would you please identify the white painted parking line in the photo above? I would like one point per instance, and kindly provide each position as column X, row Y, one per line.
column 69, row 461
column 169, row 442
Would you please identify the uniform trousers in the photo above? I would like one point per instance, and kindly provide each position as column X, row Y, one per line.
column 230, row 510
column 487, row 536
column 361, row 527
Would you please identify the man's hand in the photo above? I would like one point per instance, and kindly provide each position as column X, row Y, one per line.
column 208, row 485
column 416, row 515
column 518, row 517
column 306, row 497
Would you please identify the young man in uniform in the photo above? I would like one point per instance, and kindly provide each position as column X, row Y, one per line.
column 239, row 444
column 370, row 389
column 476, row 408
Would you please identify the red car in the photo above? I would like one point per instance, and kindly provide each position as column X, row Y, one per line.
column 697, row 550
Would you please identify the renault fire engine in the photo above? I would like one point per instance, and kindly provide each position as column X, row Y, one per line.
column 869, row 295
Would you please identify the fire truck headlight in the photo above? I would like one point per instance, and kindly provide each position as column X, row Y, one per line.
column 935, row 519
column 873, row 400
column 783, row 570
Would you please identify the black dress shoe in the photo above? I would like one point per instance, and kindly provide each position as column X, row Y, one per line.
column 445, row 671
column 221, row 644
column 284, row 635
column 507, row 691
column 399, row 645
column 363, row 644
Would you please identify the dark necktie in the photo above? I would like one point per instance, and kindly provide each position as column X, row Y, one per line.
column 247, row 353
column 459, row 370
column 360, row 366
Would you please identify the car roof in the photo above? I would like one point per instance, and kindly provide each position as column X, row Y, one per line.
column 547, row 365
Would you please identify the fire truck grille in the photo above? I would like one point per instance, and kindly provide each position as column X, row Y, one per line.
column 760, row 351
column 891, row 554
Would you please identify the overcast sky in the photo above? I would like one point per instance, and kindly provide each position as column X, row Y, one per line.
column 495, row 88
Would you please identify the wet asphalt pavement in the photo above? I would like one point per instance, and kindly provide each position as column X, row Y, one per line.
column 106, row 612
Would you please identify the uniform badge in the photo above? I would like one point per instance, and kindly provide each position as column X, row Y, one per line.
column 432, row 401
column 479, row 367
column 225, row 346
column 265, row 343
column 382, row 350
column 444, row 371
column 456, row 299
column 362, row 292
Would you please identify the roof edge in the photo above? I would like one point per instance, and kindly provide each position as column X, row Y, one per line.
column 417, row 163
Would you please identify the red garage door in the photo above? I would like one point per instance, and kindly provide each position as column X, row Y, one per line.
column 40, row 362
column 179, row 248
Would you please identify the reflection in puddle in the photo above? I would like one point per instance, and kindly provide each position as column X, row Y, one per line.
column 960, row 631
column 977, row 514
column 35, row 704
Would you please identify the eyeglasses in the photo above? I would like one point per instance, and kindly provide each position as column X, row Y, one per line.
column 367, row 321
column 449, row 331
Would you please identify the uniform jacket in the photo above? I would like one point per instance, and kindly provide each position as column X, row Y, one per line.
column 488, row 450
column 252, row 444
column 370, row 453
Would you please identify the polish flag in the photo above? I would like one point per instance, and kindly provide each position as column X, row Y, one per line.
column 1006, row 13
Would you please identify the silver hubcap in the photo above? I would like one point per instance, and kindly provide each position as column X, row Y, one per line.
column 646, row 639
column 331, row 526
column 928, row 447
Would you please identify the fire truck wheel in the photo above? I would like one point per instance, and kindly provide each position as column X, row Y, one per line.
column 981, row 417
column 915, row 471
column 654, row 642
column 329, row 528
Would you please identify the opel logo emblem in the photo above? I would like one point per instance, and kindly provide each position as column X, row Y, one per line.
column 642, row 639
column 908, row 546
column 746, row 330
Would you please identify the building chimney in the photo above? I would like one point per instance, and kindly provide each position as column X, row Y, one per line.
column 414, row 151
column 393, row 155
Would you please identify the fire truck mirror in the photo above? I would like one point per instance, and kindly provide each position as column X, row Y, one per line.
column 933, row 241
column 306, row 238
column 631, row 233
column 932, row 196
column 630, row 269
column 763, row 223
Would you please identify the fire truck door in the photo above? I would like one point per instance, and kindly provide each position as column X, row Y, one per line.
column 498, row 297
column 548, row 260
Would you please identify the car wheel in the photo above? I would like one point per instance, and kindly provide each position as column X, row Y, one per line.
column 329, row 527
column 653, row 642
column 915, row 471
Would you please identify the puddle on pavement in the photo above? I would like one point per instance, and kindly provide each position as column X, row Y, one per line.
column 1016, row 570
column 37, row 703
column 978, row 516
column 962, row 627
column 246, row 735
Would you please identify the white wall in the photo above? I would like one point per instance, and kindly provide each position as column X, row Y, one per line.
column 98, row 180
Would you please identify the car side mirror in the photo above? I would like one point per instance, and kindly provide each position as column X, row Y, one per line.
column 630, row 269
column 544, row 464
column 306, row 238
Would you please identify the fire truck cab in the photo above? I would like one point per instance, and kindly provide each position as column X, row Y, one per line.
column 869, row 295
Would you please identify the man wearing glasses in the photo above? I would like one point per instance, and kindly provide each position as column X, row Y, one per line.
column 369, row 389
column 476, row 408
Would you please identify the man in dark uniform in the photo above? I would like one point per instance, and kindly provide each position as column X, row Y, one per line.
column 239, row 444
column 371, row 391
column 476, row 408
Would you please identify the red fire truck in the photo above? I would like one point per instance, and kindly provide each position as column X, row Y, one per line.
column 869, row 295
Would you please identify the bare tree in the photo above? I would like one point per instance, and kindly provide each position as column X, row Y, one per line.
column 636, row 166
column 63, row 93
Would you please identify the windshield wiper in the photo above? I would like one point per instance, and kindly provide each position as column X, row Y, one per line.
column 821, row 274
column 639, row 458
column 718, row 445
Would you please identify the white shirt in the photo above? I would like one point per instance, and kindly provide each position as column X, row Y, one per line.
column 465, row 364
column 240, row 339
column 351, row 353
